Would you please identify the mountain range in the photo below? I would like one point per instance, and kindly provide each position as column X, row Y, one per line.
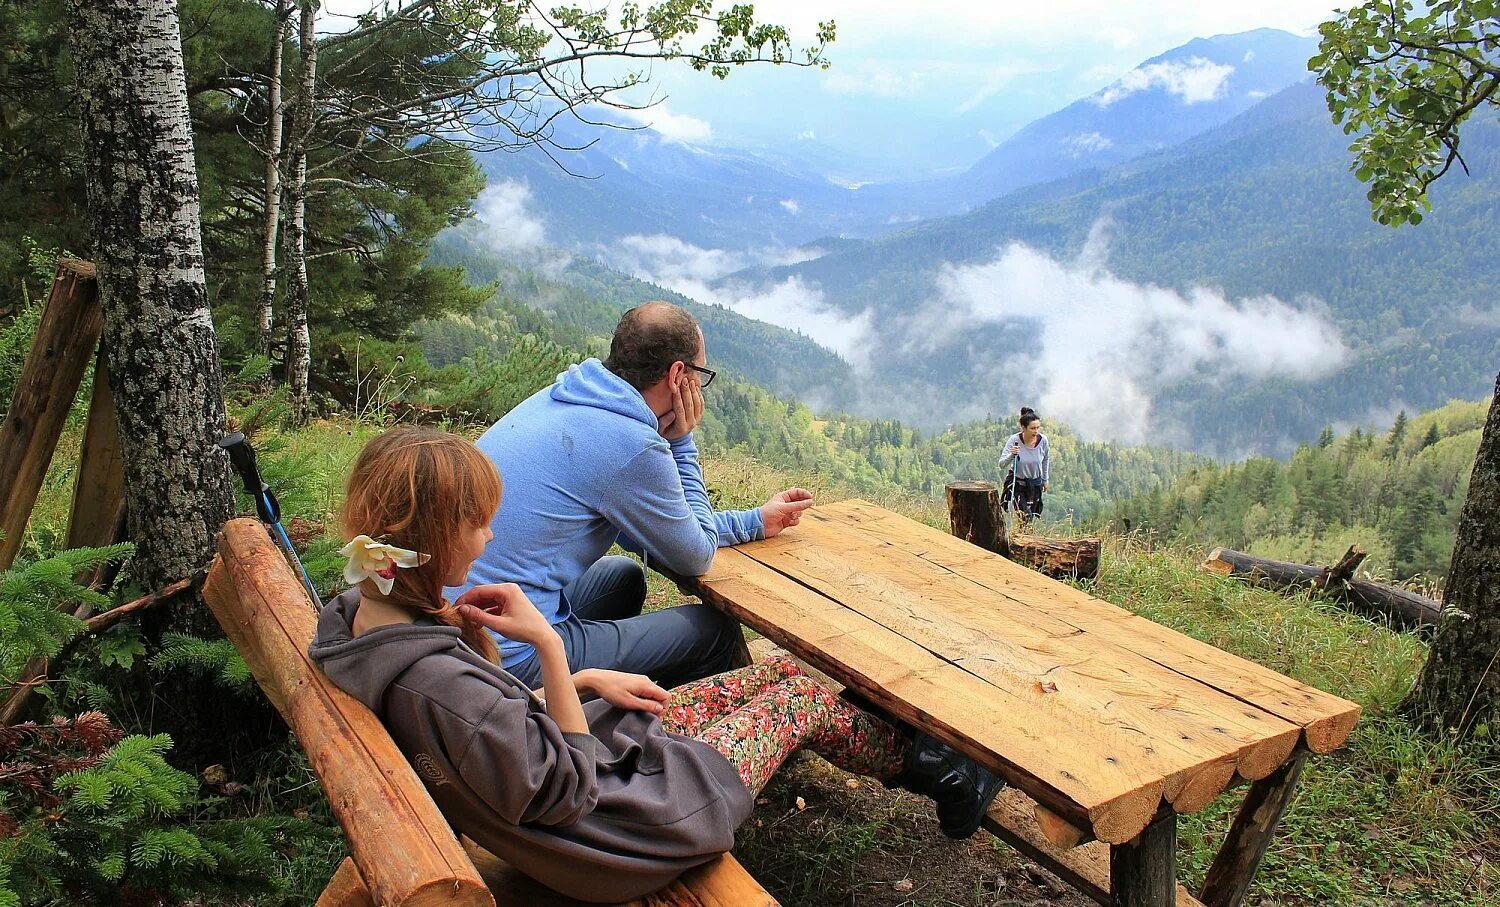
column 1182, row 257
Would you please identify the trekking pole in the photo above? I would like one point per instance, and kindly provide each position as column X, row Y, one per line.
column 1011, row 503
column 242, row 457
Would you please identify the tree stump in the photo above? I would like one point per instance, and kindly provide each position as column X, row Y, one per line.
column 974, row 515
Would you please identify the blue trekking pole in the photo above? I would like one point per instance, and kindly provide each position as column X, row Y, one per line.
column 242, row 457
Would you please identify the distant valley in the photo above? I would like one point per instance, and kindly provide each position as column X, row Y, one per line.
column 1203, row 274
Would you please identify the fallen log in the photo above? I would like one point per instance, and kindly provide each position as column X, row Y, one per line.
column 1403, row 608
column 974, row 516
column 1058, row 558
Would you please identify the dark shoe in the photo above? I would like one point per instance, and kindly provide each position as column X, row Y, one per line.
column 961, row 789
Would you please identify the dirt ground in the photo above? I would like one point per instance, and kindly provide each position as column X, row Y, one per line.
column 821, row 837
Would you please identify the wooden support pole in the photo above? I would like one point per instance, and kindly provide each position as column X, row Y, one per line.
column 1143, row 872
column 404, row 849
column 346, row 888
column 99, row 486
column 65, row 342
column 974, row 515
column 1239, row 859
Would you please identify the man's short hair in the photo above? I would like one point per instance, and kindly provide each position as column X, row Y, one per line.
column 648, row 339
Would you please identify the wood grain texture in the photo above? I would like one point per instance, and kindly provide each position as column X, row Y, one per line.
column 402, row 846
column 60, row 353
column 1009, row 734
column 1094, row 685
column 1325, row 719
column 1092, row 712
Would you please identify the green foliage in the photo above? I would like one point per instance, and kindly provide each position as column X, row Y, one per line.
column 1398, row 497
column 88, row 814
column 33, row 621
column 1404, row 78
column 1394, row 816
column 216, row 658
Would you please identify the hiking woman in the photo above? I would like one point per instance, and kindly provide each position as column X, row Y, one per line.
column 605, row 800
column 1028, row 455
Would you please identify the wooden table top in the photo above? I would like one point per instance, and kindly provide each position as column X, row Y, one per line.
column 1099, row 715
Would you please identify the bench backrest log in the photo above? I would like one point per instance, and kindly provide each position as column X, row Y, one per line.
column 404, row 849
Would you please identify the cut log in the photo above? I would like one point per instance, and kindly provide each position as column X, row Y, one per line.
column 1057, row 558
column 403, row 847
column 60, row 354
column 1404, row 609
column 974, row 516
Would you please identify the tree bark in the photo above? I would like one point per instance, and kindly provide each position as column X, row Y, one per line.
column 275, row 114
column 299, row 342
column 1405, row 609
column 1459, row 688
column 159, row 340
column 974, row 516
column 158, row 334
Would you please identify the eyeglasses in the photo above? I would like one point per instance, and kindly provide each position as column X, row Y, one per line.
column 708, row 373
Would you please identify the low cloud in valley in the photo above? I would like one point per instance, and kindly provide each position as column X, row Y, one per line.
column 1104, row 347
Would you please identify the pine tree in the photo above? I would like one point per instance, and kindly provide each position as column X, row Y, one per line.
column 1397, row 435
column 1432, row 436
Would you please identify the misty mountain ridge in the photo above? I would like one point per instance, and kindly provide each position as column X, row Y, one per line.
column 642, row 180
column 1207, row 227
column 1229, row 293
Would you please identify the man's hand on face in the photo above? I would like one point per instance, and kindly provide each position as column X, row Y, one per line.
column 687, row 408
column 785, row 509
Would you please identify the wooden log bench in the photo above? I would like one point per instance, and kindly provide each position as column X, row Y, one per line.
column 1105, row 725
column 403, row 852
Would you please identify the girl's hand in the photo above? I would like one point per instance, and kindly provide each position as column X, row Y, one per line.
column 1046, row 486
column 504, row 608
column 621, row 690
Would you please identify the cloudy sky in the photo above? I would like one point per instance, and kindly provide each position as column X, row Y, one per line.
column 930, row 82
column 945, row 77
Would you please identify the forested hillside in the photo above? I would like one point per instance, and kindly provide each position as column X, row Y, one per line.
column 576, row 301
column 1261, row 205
column 574, row 311
column 1396, row 494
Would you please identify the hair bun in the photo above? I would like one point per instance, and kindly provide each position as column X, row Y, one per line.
column 1027, row 411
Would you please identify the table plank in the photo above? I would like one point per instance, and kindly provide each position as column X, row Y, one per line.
column 1011, row 734
column 1197, row 733
column 1326, row 720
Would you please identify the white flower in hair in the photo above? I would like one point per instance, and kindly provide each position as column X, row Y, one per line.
column 369, row 559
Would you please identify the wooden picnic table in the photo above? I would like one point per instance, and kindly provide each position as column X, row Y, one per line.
column 1105, row 725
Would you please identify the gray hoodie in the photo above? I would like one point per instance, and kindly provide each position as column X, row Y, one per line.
column 607, row 816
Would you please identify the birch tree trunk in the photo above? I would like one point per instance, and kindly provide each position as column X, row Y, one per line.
column 1459, row 688
column 159, row 341
column 275, row 114
column 299, row 343
column 158, row 336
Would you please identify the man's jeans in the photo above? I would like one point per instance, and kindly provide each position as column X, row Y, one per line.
column 607, row 630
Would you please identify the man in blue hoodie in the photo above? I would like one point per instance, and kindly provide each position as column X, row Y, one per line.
column 606, row 455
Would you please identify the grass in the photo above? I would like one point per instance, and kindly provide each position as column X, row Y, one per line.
column 1391, row 818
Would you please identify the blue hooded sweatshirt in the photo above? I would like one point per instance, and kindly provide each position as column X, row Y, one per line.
column 584, row 467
